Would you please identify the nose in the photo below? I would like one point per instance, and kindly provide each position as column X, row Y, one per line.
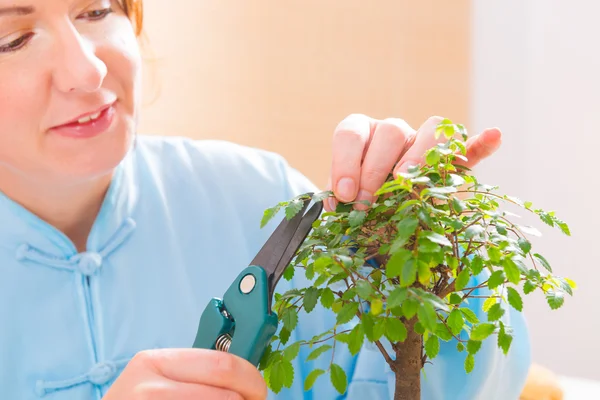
column 78, row 68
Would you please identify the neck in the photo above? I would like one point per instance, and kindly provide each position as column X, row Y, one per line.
column 71, row 209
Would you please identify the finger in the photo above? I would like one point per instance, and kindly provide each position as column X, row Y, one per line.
column 481, row 146
column 350, row 141
column 388, row 142
column 424, row 140
column 168, row 389
column 208, row 367
column 330, row 203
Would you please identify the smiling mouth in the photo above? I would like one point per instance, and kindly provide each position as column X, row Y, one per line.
column 86, row 118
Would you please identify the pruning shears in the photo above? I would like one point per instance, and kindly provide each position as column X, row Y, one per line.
column 242, row 322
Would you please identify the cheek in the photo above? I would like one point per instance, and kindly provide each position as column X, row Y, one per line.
column 23, row 93
column 123, row 61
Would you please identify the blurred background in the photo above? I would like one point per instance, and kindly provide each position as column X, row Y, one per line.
column 281, row 75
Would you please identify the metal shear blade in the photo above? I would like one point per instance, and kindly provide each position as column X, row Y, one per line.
column 279, row 250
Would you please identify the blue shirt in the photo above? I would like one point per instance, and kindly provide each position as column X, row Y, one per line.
column 179, row 222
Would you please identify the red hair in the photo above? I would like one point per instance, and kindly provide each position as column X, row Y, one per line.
column 134, row 10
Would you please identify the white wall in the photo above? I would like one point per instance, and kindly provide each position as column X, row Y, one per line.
column 536, row 75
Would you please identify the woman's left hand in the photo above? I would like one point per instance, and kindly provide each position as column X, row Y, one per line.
column 366, row 150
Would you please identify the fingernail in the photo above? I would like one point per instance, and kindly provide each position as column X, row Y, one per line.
column 332, row 203
column 346, row 189
column 403, row 168
column 363, row 195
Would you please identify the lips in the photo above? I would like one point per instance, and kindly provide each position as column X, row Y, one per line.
column 86, row 117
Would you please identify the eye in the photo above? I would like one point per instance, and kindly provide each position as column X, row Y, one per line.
column 16, row 44
column 97, row 15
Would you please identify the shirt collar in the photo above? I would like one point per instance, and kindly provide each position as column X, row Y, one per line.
column 21, row 228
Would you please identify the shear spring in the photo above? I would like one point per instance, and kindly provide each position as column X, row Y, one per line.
column 223, row 343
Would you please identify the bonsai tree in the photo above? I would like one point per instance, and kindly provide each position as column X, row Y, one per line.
column 402, row 268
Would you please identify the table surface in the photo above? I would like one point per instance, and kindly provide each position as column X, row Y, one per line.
column 580, row 389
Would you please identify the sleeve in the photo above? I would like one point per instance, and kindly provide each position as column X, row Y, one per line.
column 496, row 376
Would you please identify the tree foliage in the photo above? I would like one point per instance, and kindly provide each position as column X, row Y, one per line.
column 434, row 238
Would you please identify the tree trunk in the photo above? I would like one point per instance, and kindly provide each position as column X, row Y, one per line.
column 408, row 365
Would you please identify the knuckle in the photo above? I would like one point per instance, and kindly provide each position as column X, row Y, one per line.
column 151, row 391
column 224, row 363
column 232, row 396
column 394, row 128
column 435, row 119
column 142, row 359
column 356, row 126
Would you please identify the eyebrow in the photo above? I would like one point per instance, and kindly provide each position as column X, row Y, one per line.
column 16, row 10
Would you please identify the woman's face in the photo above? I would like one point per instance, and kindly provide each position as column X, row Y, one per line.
column 69, row 88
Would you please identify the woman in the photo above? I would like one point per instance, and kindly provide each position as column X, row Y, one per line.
column 111, row 243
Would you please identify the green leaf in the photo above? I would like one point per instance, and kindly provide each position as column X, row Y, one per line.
column 423, row 272
column 376, row 306
column 443, row 333
column 473, row 346
column 312, row 377
column 432, row 347
column 395, row 330
column 364, row 289
column 356, row 217
column 455, row 321
column 514, row 299
column 437, row 238
column 293, row 208
column 482, row 331
column 488, row 304
column 410, row 307
column 317, row 352
column 282, row 374
column 469, row 363
column 476, row 265
column 356, row 339
column 462, row 280
column 288, row 274
column 407, row 226
column 427, row 316
column 528, row 287
column 409, row 273
column 396, row 262
column 474, row 231
column 338, row 378
column 543, row 261
column 460, row 347
column 327, row 297
column 496, row 279
column 379, row 329
column 495, row 312
column 512, row 271
column 290, row 318
column 504, row 340
column 433, row 157
column 347, row 312
column 469, row 315
column 555, row 299
column 268, row 214
column 397, row 297
column 284, row 335
column 458, row 205
column 524, row 244
column 310, row 298
column 291, row 352
column 368, row 323
column 454, row 299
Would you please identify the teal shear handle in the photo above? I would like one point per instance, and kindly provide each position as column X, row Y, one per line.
column 250, row 333
column 242, row 323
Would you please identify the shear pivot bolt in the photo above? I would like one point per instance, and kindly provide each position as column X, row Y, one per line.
column 247, row 284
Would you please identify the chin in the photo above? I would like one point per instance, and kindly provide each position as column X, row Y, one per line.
column 89, row 159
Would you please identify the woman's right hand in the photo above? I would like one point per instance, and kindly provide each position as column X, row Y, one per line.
column 187, row 374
